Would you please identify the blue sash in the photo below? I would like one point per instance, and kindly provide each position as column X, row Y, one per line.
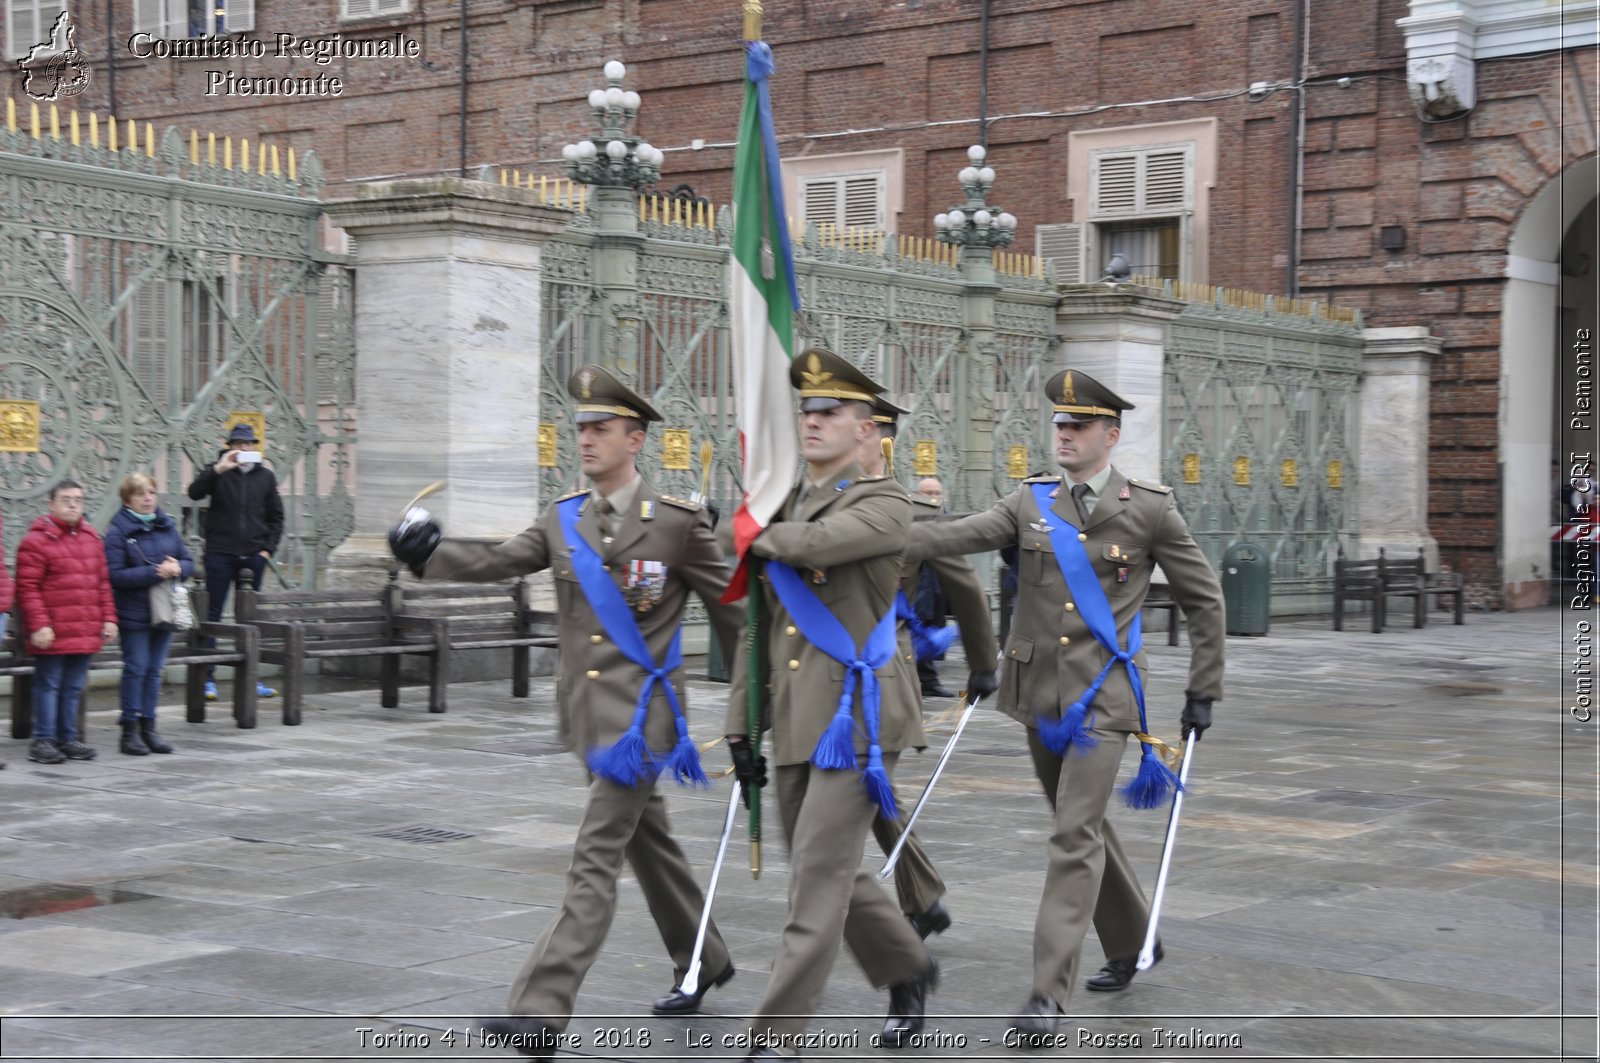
column 630, row 759
column 1150, row 786
column 926, row 642
column 836, row 749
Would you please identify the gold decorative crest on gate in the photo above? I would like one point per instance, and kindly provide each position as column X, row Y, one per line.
column 926, row 462
column 1241, row 470
column 1289, row 473
column 1191, row 468
column 676, row 445
column 547, row 445
column 19, row 426
column 256, row 419
column 1336, row 474
column 1017, row 462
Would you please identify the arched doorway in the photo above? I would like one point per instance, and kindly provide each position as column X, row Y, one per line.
column 1551, row 264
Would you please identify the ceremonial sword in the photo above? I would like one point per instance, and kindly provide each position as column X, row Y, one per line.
column 691, row 977
column 961, row 725
column 1147, row 954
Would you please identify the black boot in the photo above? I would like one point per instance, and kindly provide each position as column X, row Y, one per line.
column 908, row 1007
column 152, row 741
column 132, row 744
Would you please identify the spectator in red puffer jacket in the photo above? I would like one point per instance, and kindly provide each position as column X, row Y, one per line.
column 68, row 614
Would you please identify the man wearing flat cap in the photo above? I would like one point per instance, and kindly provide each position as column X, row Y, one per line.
column 624, row 558
column 1088, row 541
column 843, row 704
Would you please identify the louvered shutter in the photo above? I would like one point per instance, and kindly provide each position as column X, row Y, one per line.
column 820, row 201
column 1116, row 186
column 239, row 16
column 1062, row 246
column 21, row 29
column 149, row 348
column 863, row 202
column 150, row 16
column 1166, row 181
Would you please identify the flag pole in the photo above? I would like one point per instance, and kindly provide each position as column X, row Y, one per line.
column 755, row 677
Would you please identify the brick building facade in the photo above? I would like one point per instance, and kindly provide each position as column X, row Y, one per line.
column 1171, row 129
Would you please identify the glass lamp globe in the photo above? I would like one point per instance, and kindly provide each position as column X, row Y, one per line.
column 967, row 175
column 1008, row 221
column 986, row 175
column 570, row 153
column 630, row 100
column 982, row 219
column 614, row 97
column 958, row 218
column 941, row 221
column 976, row 153
column 615, row 71
column 597, row 99
column 616, row 149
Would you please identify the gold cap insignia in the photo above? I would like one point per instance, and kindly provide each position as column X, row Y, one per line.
column 815, row 376
column 1068, row 393
column 585, row 382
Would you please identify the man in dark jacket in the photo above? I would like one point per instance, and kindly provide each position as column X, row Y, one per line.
column 243, row 525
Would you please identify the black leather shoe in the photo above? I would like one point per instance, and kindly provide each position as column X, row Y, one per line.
column 908, row 1007
column 1037, row 1023
column 1115, row 975
column 936, row 920
column 937, row 691
column 678, row 1002
column 530, row 1037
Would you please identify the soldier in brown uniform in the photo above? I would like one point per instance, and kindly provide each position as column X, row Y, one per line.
column 917, row 883
column 1075, row 695
column 840, row 712
column 624, row 559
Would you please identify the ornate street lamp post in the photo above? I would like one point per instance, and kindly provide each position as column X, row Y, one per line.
column 976, row 227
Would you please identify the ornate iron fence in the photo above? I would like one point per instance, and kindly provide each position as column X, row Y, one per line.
column 154, row 292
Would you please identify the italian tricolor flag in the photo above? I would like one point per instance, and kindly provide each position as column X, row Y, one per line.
column 762, row 302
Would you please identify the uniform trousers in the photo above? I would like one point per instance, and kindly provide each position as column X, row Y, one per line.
column 825, row 818
column 1088, row 877
column 917, row 884
column 619, row 822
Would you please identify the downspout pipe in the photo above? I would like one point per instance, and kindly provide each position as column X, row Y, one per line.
column 461, row 135
column 1297, row 127
column 111, row 56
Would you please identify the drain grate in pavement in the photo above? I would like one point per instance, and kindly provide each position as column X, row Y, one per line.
column 424, row 835
column 1363, row 799
column 53, row 898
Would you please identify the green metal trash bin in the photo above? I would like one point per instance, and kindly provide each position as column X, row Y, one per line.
column 1247, row 589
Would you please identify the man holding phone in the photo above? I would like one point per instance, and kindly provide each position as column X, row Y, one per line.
column 242, row 527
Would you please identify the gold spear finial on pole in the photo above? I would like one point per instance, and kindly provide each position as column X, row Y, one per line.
column 752, row 20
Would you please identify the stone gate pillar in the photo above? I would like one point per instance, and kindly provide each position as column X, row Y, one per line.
column 1118, row 335
column 447, row 335
column 1392, row 496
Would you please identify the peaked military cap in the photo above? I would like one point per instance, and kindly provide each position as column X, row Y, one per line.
column 602, row 396
column 887, row 413
column 825, row 380
column 1079, row 398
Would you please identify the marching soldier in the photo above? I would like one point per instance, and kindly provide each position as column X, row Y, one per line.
column 917, row 883
column 843, row 705
column 624, row 560
column 1088, row 542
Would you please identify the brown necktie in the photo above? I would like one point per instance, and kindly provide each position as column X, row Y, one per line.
column 605, row 515
column 1078, row 491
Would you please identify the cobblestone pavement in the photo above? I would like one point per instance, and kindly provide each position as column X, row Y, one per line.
column 1388, row 852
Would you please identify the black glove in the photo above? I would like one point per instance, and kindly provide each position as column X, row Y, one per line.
column 980, row 684
column 1196, row 713
column 749, row 769
column 715, row 511
column 413, row 541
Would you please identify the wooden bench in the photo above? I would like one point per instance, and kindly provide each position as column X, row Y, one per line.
column 188, row 650
column 1160, row 598
column 1378, row 579
column 301, row 626
column 486, row 616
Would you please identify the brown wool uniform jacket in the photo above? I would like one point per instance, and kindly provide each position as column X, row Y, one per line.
column 598, row 688
column 1052, row 658
column 968, row 602
column 854, row 536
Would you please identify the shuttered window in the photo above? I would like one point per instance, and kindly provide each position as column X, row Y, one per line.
column 28, row 23
column 193, row 18
column 1062, row 247
column 372, row 8
column 853, row 201
column 1143, row 182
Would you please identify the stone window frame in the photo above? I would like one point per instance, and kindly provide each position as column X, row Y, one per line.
column 353, row 10
column 169, row 19
column 16, row 46
column 887, row 167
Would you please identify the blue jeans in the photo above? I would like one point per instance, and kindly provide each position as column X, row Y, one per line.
column 58, row 680
column 221, row 572
column 144, row 653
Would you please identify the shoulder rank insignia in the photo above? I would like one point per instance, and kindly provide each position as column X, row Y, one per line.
column 867, row 480
column 573, row 494
column 920, row 500
column 1160, row 489
column 681, row 503
column 1041, row 477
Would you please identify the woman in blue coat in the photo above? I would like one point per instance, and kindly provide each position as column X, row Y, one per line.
column 143, row 548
